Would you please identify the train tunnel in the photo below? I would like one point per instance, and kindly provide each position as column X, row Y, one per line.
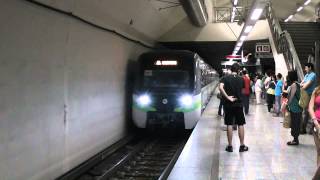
column 67, row 68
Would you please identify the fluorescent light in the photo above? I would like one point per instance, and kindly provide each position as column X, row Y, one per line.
column 288, row 18
column 169, row 63
column 242, row 38
column 256, row 14
column 239, row 44
column 248, row 29
column 233, row 14
column 307, row 2
column 237, row 48
column 235, row 2
column 299, row 9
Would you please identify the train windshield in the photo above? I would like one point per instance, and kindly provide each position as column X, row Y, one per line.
column 166, row 79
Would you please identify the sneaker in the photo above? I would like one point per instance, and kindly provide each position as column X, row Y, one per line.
column 229, row 149
column 243, row 148
column 293, row 143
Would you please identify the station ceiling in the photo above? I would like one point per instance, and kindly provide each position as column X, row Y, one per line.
column 150, row 20
column 282, row 8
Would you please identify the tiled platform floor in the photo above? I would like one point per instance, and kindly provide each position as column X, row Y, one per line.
column 269, row 157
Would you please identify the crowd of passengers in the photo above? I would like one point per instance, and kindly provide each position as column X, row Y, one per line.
column 287, row 97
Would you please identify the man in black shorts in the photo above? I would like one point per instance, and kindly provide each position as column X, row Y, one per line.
column 230, row 88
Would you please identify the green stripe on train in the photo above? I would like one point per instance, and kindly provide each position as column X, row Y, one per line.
column 144, row 109
column 195, row 106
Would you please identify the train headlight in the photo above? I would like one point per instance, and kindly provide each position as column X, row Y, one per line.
column 144, row 100
column 186, row 100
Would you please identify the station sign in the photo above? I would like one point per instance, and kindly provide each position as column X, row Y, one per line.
column 263, row 50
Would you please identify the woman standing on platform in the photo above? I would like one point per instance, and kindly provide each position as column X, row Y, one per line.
column 258, row 89
column 293, row 107
column 314, row 111
column 271, row 92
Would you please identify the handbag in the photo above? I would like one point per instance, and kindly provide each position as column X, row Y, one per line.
column 270, row 91
column 287, row 120
column 284, row 105
column 304, row 99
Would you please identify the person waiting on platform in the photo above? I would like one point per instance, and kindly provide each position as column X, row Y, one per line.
column 278, row 93
column 258, row 89
column 293, row 107
column 308, row 84
column 270, row 93
column 314, row 111
column 266, row 81
column 230, row 88
column 246, row 91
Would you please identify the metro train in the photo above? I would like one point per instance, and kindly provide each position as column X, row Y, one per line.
column 171, row 89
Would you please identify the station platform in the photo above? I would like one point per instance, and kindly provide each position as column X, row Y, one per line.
column 269, row 157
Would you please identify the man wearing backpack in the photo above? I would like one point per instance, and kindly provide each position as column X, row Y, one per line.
column 308, row 84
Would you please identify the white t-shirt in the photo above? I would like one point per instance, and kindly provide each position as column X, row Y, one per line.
column 266, row 82
column 257, row 85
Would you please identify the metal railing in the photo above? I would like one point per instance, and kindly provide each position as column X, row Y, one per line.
column 284, row 43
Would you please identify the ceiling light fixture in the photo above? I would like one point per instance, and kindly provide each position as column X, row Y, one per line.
column 248, row 29
column 240, row 43
column 307, row 2
column 242, row 38
column 235, row 2
column 288, row 18
column 233, row 14
column 299, row 9
column 256, row 14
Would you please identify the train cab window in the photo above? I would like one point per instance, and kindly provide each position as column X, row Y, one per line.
column 166, row 79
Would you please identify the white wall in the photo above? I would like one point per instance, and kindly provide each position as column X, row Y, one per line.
column 51, row 64
column 279, row 60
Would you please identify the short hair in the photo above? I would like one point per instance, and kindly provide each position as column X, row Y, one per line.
column 309, row 65
column 235, row 67
column 279, row 75
column 292, row 76
column 244, row 72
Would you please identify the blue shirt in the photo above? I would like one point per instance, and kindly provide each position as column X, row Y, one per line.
column 310, row 77
column 278, row 89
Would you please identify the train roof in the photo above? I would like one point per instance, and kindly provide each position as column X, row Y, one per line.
column 168, row 53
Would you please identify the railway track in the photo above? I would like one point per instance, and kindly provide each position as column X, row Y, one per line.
column 139, row 159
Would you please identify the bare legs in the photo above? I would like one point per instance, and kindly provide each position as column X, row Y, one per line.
column 317, row 142
column 240, row 133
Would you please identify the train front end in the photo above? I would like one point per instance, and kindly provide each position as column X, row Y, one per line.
column 164, row 93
